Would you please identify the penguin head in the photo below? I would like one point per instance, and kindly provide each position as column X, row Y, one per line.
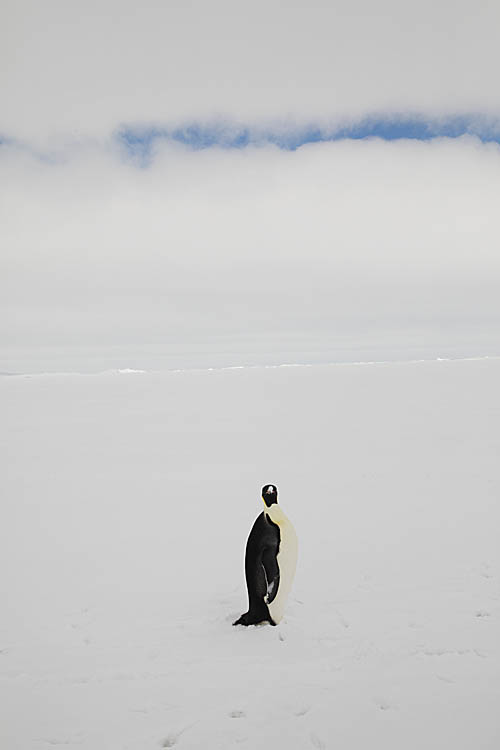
column 270, row 494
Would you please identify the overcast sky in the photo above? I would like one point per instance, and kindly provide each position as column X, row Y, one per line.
column 85, row 67
column 179, row 171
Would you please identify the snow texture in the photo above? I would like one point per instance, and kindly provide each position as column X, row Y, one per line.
column 126, row 506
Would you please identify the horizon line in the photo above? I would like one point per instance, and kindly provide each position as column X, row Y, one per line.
column 283, row 365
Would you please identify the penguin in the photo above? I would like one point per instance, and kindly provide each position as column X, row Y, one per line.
column 270, row 562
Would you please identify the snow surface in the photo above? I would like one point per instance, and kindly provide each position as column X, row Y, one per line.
column 127, row 501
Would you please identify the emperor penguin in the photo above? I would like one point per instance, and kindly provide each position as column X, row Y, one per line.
column 270, row 562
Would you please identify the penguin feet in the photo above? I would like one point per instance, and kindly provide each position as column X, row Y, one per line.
column 249, row 619
column 243, row 620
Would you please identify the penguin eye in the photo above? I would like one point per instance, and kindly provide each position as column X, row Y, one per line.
column 270, row 490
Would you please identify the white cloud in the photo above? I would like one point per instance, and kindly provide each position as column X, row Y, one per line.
column 327, row 244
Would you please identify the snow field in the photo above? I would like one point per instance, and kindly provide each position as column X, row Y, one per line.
column 126, row 503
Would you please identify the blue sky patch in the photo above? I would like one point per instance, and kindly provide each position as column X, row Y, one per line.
column 140, row 142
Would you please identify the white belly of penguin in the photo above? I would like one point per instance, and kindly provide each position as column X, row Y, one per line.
column 286, row 559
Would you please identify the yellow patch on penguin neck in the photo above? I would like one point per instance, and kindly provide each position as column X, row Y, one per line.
column 275, row 513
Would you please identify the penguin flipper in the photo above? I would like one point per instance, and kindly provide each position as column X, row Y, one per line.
column 272, row 571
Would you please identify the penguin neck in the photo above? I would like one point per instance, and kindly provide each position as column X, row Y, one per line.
column 275, row 514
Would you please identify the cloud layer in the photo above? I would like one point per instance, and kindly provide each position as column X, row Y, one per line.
column 334, row 242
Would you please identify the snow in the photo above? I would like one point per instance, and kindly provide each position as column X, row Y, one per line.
column 126, row 506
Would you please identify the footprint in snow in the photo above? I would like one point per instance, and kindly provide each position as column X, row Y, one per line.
column 485, row 571
column 170, row 740
column 75, row 739
column 442, row 678
column 302, row 711
column 343, row 621
column 317, row 742
column 237, row 714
